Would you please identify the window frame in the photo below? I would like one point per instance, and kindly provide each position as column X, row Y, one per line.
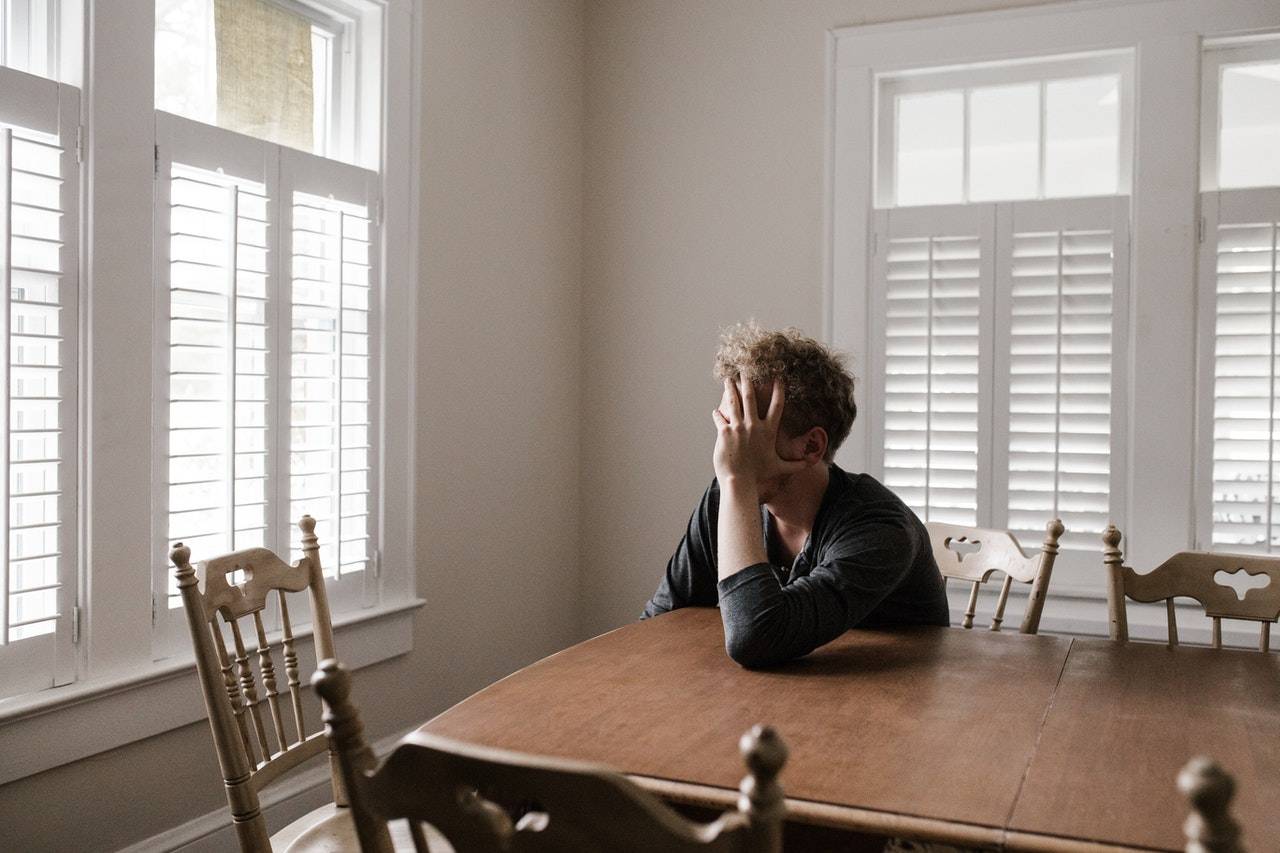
column 117, row 674
column 1166, row 37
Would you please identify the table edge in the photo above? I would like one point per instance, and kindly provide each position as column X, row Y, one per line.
column 886, row 823
column 833, row 816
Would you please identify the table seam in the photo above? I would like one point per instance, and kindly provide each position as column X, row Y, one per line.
column 1035, row 747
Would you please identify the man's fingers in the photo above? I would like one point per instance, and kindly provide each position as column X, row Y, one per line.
column 776, row 398
column 718, row 418
column 748, row 389
column 734, row 414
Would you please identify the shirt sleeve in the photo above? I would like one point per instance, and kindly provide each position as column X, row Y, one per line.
column 766, row 623
column 690, row 579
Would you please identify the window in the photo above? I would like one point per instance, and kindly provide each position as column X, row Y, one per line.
column 287, row 71
column 1000, row 288
column 1239, row 269
column 224, row 287
column 39, row 185
column 1089, row 338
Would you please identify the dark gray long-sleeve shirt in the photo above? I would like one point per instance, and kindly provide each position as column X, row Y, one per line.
column 867, row 563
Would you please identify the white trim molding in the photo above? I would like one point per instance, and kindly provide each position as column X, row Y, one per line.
column 282, row 804
column 54, row 727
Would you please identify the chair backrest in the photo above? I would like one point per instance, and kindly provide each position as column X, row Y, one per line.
column 1193, row 574
column 1209, row 828
column 973, row 554
column 254, row 750
column 484, row 799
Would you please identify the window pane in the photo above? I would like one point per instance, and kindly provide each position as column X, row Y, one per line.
column 1249, row 153
column 1004, row 142
column 186, row 62
column 1082, row 136
column 929, row 155
column 246, row 65
column 26, row 36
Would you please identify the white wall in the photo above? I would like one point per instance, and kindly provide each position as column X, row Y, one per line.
column 497, row 417
column 705, row 134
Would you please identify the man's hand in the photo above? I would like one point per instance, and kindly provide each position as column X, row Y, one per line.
column 746, row 451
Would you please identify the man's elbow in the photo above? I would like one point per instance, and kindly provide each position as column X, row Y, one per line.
column 749, row 650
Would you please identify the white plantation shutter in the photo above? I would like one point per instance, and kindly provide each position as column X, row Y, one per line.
column 1239, row 280
column 1000, row 388
column 1062, row 292
column 215, row 200
column 39, row 209
column 333, row 310
column 935, row 265
column 268, row 275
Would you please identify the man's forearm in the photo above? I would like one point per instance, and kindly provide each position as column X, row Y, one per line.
column 741, row 538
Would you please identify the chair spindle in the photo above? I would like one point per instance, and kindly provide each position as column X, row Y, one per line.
column 1264, row 641
column 291, row 666
column 972, row 606
column 998, row 617
column 1172, row 616
column 1217, row 632
column 268, row 670
column 233, row 692
column 248, row 687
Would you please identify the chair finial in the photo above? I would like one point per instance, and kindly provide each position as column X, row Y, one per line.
column 180, row 556
column 1209, row 828
column 332, row 682
column 1111, row 537
column 1055, row 529
column 307, row 525
column 764, row 753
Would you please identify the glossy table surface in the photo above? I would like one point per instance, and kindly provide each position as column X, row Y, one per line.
column 971, row 736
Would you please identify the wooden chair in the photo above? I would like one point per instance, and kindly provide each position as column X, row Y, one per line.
column 1209, row 828
column 254, row 750
column 972, row 554
column 559, row 805
column 1192, row 574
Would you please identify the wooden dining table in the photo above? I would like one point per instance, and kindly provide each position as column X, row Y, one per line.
column 972, row 737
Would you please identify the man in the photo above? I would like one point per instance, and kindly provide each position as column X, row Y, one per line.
column 793, row 549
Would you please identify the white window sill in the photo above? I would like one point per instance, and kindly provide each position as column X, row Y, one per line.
column 43, row 730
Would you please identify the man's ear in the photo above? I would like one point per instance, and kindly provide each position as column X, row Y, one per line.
column 815, row 444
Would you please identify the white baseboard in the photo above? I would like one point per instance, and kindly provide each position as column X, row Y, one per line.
column 282, row 804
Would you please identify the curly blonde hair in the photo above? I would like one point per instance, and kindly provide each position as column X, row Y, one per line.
column 819, row 387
